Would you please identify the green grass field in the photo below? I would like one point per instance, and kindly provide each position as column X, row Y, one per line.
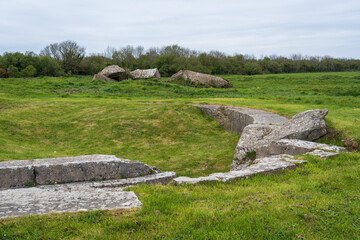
column 155, row 122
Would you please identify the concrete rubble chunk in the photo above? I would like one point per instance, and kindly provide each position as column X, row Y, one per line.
column 112, row 73
column 266, row 165
column 322, row 153
column 235, row 119
column 70, row 169
column 264, row 134
column 295, row 147
column 103, row 78
column 309, row 125
column 201, row 79
column 145, row 74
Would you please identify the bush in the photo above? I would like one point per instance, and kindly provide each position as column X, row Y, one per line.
column 252, row 69
column 29, row 71
column 3, row 73
column 13, row 71
column 46, row 66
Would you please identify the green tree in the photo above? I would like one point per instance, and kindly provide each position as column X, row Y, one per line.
column 68, row 54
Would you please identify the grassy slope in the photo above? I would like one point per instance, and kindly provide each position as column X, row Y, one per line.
column 172, row 137
column 152, row 121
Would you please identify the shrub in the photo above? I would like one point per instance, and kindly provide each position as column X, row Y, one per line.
column 47, row 66
column 3, row 73
column 13, row 71
column 252, row 68
column 29, row 71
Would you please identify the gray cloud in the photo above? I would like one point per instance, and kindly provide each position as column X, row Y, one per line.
column 259, row 27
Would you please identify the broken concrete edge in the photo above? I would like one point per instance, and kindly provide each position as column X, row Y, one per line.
column 74, row 197
column 263, row 166
column 235, row 119
column 157, row 178
column 23, row 173
column 267, row 134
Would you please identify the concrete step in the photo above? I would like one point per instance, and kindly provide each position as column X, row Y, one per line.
column 70, row 169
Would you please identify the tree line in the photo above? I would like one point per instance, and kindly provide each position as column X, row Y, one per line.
column 66, row 58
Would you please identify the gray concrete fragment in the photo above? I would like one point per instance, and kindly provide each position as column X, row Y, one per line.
column 145, row 74
column 71, row 169
column 103, row 78
column 294, row 147
column 323, row 154
column 46, row 199
column 266, row 165
column 264, row 134
column 201, row 79
column 163, row 178
column 308, row 125
column 114, row 72
column 260, row 131
column 237, row 118
column 72, row 197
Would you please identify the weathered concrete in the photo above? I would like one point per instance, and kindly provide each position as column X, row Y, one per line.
column 112, row 73
column 145, row 74
column 13, row 174
column 46, row 199
column 266, row 165
column 163, row 178
column 70, row 169
column 71, row 197
column 294, row 147
column 103, row 78
column 308, row 125
column 237, row 118
column 201, row 79
column 265, row 134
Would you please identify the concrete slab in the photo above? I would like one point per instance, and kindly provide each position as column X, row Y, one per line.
column 70, row 169
column 267, row 165
column 47, row 199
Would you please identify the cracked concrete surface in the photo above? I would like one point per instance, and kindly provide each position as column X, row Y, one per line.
column 47, row 199
column 72, row 197
column 69, row 169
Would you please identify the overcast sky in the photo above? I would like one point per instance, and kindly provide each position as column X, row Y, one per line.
column 259, row 27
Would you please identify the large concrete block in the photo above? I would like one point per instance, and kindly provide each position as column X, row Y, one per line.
column 70, row 169
column 86, row 168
